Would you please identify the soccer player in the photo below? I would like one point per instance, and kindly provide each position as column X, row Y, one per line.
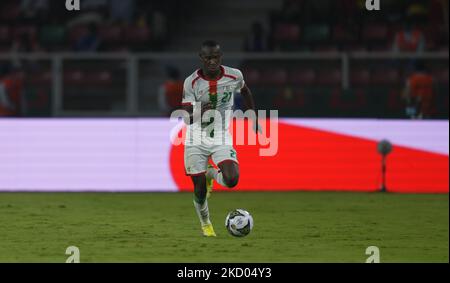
column 419, row 93
column 208, row 92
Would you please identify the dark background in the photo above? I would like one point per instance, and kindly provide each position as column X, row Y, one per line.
column 306, row 58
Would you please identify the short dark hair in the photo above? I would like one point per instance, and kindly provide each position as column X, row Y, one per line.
column 210, row 43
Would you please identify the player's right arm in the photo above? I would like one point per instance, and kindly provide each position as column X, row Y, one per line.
column 188, row 103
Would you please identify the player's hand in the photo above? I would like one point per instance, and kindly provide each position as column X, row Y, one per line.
column 256, row 127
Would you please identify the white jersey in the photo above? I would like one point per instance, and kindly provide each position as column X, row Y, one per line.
column 214, row 127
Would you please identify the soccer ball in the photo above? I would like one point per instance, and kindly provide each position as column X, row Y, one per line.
column 239, row 223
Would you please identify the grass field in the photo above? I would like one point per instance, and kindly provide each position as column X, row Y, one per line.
column 163, row 227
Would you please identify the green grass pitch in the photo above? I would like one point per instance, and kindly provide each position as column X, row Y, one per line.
column 163, row 227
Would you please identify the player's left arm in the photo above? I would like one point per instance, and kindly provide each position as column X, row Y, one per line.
column 250, row 104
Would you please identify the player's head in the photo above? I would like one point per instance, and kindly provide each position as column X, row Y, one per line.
column 211, row 56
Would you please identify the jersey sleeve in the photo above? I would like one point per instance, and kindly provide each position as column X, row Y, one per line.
column 241, row 81
column 188, row 93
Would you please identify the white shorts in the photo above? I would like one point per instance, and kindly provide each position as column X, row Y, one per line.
column 196, row 157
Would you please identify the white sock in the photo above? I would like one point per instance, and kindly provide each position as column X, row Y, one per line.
column 218, row 176
column 202, row 212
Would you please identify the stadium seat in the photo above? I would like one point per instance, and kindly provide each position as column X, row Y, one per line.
column 87, row 78
column 275, row 77
column 335, row 98
column 110, row 33
column 329, row 77
column 375, row 33
column 359, row 77
column 99, row 78
column 316, row 33
column 76, row 32
column 43, row 77
column 342, row 35
column 289, row 99
column 74, row 77
column 287, row 32
column 137, row 34
column 50, row 35
column 302, row 77
column 20, row 30
column 347, row 100
column 386, row 76
column 300, row 98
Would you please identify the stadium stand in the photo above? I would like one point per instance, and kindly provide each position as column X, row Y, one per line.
column 311, row 87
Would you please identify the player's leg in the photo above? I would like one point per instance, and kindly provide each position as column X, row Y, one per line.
column 209, row 181
column 195, row 164
column 201, row 205
column 228, row 173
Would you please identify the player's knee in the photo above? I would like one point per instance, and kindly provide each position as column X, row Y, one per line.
column 232, row 181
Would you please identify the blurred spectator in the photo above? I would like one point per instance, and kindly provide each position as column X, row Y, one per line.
column 25, row 42
column 169, row 95
column 10, row 92
column 89, row 42
column 257, row 40
column 409, row 39
column 419, row 93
